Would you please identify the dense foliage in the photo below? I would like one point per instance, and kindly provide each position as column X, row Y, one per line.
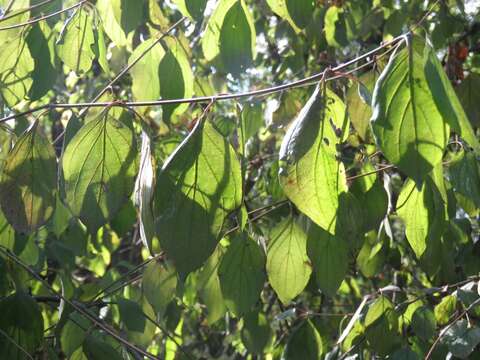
column 312, row 190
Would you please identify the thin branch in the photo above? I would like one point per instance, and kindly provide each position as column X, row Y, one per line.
column 127, row 275
column 350, row 178
column 445, row 329
column 266, row 210
column 9, row 7
column 22, row 11
column 44, row 17
column 307, row 81
column 97, row 322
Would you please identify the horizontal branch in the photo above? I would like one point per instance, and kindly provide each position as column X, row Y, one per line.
column 44, row 17
column 22, row 11
column 310, row 80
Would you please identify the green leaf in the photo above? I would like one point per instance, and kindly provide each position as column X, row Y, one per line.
column 405, row 354
column 467, row 93
column 101, row 48
column 288, row 266
column 329, row 256
column 304, row 343
column 29, row 181
column 465, row 177
column 371, row 257
column 159, row 285
column 300, row 11
column 208, row 286
column 99, row 167
column 311, row 176
column 241, row 274
column 236, row 39
column 7, row 233
column 198, row 186
column 145, row 73
column 120, row 18
column 230, row 35
column 16, row 65
column 445, row 309
column 251, row 120
column 446, row 99
column 423, row 323
column 73, row 333
column 279, row 7
column 408, row 123
column 381, row 323
column 176, row 79
column 191, row 8
column 40, row 40
column 256, row 332
column 21, row 325
column 97, row 349
column 131, row 314
column 359, row 110
column 461, row 339
column 423, row 212
column 335, row 27
column 77, row 40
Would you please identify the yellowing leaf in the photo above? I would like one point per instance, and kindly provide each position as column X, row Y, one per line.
column 29, row 182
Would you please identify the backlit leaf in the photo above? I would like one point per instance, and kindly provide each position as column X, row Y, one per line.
column 16, row 64
column 29, row 182
column 407, row 121
column 230, row 35
column 329, row 257
column 311, row 175
column 304, row 343
column 192, row 8
column 21, row 326
column 75, row 46
column 300, row 11
column 288, row 266
column 241, row 274
column 159, row 285
column 145, row 79
column 199, row 184
column 423, row 212
column 99, row 167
